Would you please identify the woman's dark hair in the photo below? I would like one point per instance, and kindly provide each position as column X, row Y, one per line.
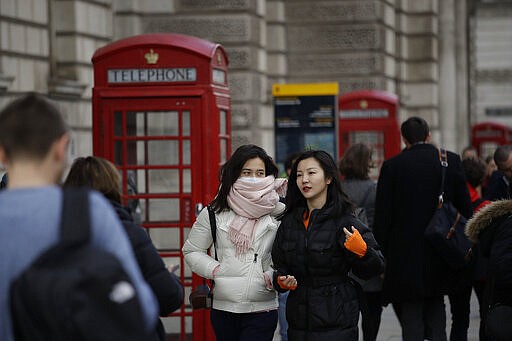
column 356, row 162
column 96, row 173
column 335, row 194
column 230, row 172
column 474, row 170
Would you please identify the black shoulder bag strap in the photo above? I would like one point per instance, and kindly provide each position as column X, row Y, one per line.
column 443, row 158
column 75, row 219
column 213, row 227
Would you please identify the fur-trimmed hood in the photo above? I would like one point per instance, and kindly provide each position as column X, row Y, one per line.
column 486, row 217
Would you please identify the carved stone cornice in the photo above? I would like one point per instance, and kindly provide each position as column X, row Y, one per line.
column 499, row 75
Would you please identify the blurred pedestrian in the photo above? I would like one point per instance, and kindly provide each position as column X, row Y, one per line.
column 416, row 277
column 355, row 168
column 490, row 168
column 500, row 181
column 283, row 296
column 469, row 152
column 491, row 229
column 460, row 299
column 101, row 175
column 318, row 243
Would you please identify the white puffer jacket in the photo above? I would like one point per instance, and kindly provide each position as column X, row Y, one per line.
column 240, row 285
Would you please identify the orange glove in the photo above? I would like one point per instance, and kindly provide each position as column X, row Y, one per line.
column 355, row 242
column 287, row 282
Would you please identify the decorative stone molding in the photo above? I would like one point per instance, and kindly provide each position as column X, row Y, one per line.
column 335, row 11
column 202, row 5
column 499, row 76
column 228, row 28
column 334, row 37
column 5, row 82
column 356, row 63
column 65, row 88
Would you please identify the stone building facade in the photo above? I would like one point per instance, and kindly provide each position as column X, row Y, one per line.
column 448, row 61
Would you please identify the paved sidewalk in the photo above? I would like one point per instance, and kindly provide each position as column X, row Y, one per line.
column 390, row 328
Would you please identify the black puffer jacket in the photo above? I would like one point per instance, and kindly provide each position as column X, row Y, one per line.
column 325, row 304
column 166, row 286
column 491, row 228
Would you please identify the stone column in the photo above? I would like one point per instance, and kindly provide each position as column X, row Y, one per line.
column 277, row 66
column 419, row 69
column 453, row 81
column 448, row 90
column 77, row 29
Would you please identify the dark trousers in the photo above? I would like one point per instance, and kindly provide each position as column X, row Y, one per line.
column 482, row 296
column 371, row 318
column 460, row 309
column 244, row 327
column 421, row 317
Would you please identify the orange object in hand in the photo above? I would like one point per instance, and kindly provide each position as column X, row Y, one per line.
column 283, row 285
column 355, row 243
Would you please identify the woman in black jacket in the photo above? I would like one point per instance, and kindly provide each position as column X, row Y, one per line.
column 101, row 175
column 491, row 228
column 318, row 242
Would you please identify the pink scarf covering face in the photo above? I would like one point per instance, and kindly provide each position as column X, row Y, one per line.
column 251, row 200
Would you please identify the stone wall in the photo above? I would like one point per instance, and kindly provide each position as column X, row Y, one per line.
column 491, row 62
column 343, row 41
column 414, row 48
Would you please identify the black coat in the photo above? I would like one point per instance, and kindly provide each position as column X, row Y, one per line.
column 166, row 286
column 325, row 304
column 491, row 228
column 498, row 187
column 407, row 195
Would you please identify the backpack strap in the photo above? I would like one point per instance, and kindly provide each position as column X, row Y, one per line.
column 75, row 219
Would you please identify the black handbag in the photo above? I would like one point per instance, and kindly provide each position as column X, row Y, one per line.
column 202, row 296
column 445, row 230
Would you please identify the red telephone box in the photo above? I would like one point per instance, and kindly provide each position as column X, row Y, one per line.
column 369, row 116
column 161, row 114
column 487, row 136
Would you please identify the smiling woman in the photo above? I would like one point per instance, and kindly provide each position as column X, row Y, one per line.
column 318, row 243
column 312, row 183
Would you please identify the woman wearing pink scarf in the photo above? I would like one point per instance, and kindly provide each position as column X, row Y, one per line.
column 246, row 205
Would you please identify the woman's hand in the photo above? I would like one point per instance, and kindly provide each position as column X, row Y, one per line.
column 287, row 282
column 354, row 242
